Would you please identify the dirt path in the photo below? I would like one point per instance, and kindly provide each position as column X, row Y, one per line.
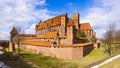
column 106, row 61
column 102, row 62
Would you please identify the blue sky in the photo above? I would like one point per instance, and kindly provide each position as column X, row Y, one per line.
column 69, row 6
column 27, row 13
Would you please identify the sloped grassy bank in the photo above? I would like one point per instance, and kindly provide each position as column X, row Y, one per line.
column 32, row 60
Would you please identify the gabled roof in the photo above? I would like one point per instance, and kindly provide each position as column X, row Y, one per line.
column 51, row 22
column 13, row 31
column 70, row 22
column 85, row 26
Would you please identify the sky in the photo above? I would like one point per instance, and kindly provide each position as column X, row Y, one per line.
column 25, row 14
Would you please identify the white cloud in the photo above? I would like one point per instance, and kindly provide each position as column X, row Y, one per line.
column 100, row 17
column 20, row 13
column 4, row 35
column 31, row 29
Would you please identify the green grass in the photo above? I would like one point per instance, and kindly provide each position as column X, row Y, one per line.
column 114, row 64
column 50, row 62
column 46, row 61
column 94, row 56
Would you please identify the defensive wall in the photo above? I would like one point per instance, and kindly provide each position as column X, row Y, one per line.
column 60, row 51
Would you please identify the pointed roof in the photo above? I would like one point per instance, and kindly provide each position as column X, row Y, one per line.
column 14, row 31
column 85, row 26
column 70, row 22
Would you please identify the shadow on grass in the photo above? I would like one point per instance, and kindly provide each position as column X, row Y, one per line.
column 6, row 58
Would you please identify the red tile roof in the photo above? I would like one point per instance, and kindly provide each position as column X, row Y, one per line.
column 50, row 35
column 48, row 43
column 54, row 22
column 51, row 22
column 82, row 44
column 26, row 35
column 62, row 37
column 85, row 26
column 70, row 22
column 40, row 43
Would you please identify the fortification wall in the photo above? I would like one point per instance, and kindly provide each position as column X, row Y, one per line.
column 59, row 52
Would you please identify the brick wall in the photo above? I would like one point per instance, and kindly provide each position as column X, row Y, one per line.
column 60, row 52
column 87, row 49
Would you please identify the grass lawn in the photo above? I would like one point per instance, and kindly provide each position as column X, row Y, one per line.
column 114, row 64
column 50, row 62
column 94, row 56
column 46, row 61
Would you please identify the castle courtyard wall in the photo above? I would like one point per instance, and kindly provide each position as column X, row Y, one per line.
column 72, row 52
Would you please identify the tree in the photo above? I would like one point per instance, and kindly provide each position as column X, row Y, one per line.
column 81, row 34
column 4, row 44
column 117, row 36
column 109, row 37
column 17, row 39
column 110, row 33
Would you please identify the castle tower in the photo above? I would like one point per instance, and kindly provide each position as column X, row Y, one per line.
column 75, row 18
column 13, row 33
column 63, row 24
column 70, row 36
column 11, row 44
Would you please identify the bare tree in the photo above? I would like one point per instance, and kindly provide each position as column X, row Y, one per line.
column 110, row 33
column 117, row 36
column 109, row 37
column 17, row 40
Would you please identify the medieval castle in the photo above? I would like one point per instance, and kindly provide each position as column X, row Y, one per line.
column 59, row 31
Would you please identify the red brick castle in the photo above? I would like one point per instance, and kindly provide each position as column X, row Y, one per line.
column 59, row 31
